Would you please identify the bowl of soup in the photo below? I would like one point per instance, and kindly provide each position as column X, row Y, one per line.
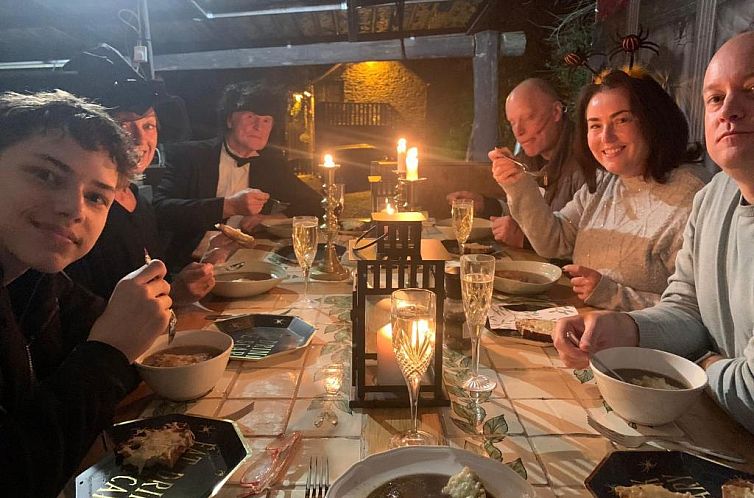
column 525, row 277
column 187, row 368
column 659, row 386
column 255, row 277
column 281, row 228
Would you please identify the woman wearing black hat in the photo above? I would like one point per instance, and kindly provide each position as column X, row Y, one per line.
column 131, row 231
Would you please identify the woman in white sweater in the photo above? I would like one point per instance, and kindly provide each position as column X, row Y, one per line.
column 624, row 227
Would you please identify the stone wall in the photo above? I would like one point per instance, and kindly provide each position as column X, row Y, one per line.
column 392, row 83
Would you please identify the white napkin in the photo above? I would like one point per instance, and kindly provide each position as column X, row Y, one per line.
column 502, row 318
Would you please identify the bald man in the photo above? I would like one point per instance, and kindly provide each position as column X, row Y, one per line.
column 540, row 124
column 707, row 312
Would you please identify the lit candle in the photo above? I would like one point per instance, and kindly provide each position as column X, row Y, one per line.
column 327, row 161
column 412, row 164
column 401, row 155
column 388, row 371
column 388, row 208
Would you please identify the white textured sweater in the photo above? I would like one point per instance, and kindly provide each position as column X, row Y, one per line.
column 628, row 229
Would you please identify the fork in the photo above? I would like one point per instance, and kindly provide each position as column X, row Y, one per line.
column 630, row 441
column 173, row 319
column 318, row 479
column 524, row 167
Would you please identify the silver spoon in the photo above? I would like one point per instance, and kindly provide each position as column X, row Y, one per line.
column 173, row 319
column 572, row 339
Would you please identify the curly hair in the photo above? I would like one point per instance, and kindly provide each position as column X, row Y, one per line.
column 662, row 123
column 25, row 115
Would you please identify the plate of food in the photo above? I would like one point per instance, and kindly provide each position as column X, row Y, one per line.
column 176, row 455
column 256, row 336
column 424, row 471
column 489, row 247
column 353, row 226
column 281, row 228
column 287, row 253
column 666, row 474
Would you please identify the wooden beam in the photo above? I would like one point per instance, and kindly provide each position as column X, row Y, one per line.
column 421, row 47
column 484, row 129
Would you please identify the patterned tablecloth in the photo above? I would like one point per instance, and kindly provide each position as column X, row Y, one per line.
column 534, row 421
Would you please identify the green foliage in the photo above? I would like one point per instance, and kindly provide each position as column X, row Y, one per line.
column 571, row 31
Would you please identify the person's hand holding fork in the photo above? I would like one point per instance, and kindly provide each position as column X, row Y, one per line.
column 505, row 169
column 138, row 311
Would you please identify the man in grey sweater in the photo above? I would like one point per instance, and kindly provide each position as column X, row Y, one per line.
column 707, row 312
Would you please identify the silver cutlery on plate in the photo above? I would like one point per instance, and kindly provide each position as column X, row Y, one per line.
column 633, row 441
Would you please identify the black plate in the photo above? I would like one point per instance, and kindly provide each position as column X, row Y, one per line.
column 216, row 454
column 674, row 470
column 286, row 252
column 256, row 337
column 452, row 247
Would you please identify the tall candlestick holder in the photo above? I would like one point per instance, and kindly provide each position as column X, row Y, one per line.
column 330, row 269
column 410, row 188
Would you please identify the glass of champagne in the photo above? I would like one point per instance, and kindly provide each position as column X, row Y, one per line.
column 462, row 212
column 412, row 315
column 477, row 276
column 305, row 247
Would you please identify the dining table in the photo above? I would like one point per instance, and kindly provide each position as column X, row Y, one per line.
column 535, row 420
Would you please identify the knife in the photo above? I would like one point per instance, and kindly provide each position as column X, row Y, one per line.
column 264, row 469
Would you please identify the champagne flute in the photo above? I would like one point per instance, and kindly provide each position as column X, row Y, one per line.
column 305, row 248
column 477, row 276
column 462, row 212
column 412, row 315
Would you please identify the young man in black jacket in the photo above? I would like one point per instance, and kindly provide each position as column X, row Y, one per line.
column 65, row 356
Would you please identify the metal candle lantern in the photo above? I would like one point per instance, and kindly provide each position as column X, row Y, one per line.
column 410, row 195
column 382, row 180
column 396, row 259
column 330, row 269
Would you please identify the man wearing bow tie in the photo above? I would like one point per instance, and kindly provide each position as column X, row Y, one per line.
column 233, row 176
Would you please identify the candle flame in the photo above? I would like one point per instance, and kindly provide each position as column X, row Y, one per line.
column 401, row 145
column 388, row 208
column 328, row 161
column 421, row 332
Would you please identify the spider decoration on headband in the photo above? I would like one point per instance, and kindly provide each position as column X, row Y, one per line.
column 580, row 58
column 630, row 44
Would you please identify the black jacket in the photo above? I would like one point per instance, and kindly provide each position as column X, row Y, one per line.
column 120, row 248
column 186, row 199
column 58, row 391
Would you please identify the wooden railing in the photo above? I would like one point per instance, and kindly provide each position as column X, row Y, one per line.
column 354, row 114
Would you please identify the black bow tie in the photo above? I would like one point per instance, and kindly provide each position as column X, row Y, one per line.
column 240, row 161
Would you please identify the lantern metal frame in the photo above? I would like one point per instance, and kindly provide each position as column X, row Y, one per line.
column 402, row 261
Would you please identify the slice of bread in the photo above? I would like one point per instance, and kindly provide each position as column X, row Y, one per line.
column 535, row 329
column 738, row 488
column 152, row 447
column 647, row 491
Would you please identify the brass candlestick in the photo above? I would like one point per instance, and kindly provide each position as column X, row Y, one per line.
column 330, row 269
column 412, row 197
